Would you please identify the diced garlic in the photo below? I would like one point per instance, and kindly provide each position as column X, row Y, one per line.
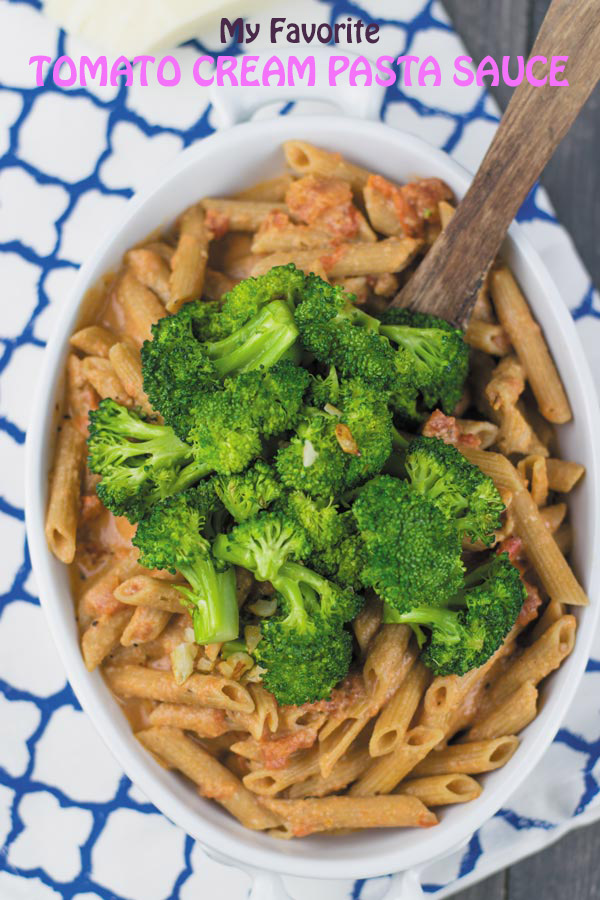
column 263, row 607
column 182, row 661
column 252, row 636
column 309, row 454
column 333, row 410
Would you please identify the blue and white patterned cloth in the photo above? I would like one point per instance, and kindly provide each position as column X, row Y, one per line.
column 71, row 825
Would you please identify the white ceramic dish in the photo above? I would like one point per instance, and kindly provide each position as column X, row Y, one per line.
column 222, row 164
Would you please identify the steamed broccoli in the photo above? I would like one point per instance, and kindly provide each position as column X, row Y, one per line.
column 332, row 452
column 459, row 489
column 469, row 626
column 304, row 655
column 172, row 535
column 262, row 544
column 337, row 551
column 438, row 353
column 341, row 335
column 246, row 494
column 273, row 397
column 325, row 389
column 222, row 432
column 413, row 553
column 140, row 462
column 178, row 367
column 245, row 300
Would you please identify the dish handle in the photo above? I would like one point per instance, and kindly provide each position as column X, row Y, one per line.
column 235, row 103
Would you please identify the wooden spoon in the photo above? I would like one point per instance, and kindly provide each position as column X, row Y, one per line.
column 447, row 282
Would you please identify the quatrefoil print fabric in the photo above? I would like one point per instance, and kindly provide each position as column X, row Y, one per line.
column 71, row 824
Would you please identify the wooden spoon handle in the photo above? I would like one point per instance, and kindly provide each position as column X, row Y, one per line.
column 537, row 118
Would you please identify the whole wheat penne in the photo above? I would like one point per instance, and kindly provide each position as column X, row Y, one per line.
column 271, row 191
column 553, row 516
column 527, row 339
column 534, row 473
column 347, row 769
column 446, row 211
column 205, row 722
column 141, row 308
column 442, row 790
column 306, row 159
column 304, row 817
column 213, row 779
column 103, row 378
column 127, row 366
column 487, row 336
column 498, row 467
column 278, row 234
column 102, row 636
column 387, row 771
column 487, row 432
column 156, row 684
column 151, row 270
column 269, row 782
column 80, row 395
column 563, row 475
column 188, row 265
column 367, row 623
column 349, row 260
column 265, row 715
column 240, row 215
column 65, row 487
column 552, row 568
column 164, row 250
column 510, row 716
column 145, row 625
column 469, row 759
column 537, row 661
column 93, row 340
column 143, row 590
column 98, row 597
column 396, row 716
column 216, row 284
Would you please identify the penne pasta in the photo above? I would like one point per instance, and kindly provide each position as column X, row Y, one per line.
column 103, row 635
column 143, row 590
column 488, row 337
column 94, row 340
column 349, row 260
column 141, row 308
column 65, row 488
column 304, row 817
column 306, row 159
column 396, row 716
column 385, row 773
column 188, row 266
column 204, row 690
column 203, row 721
column 470, row 758
column 213, row 779
column 151, row 270
column 127, row 366
column 442, row 790
column 146, row 624
column 527, row 339
column 239, row 215
column 563, row 475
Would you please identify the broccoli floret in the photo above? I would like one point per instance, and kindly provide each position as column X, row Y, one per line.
column 272, row 398
column 325, row 389
column 339, row 334
column 304, row 657
column 178, row 367
column 313, row 461
column 263, row 544
column 413, row 552
column 246, row 494
column 337, row 551
column 458, row 488
column 175, row 367
column 438, row 353
column 260, row 343
column 172, row 535
column 223, row 433
column 246, row 299
column 366, row 414
column 470, row 626
column 332, row 452
column 140, row 462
